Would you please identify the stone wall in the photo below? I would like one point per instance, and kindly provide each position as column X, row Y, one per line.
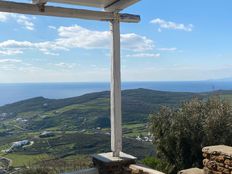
column 139, row 169
column 217, row 160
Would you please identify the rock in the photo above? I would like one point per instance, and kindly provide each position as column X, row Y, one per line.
column 191, row 171
column 226, row 151
column 218, row 159
column 2, row 171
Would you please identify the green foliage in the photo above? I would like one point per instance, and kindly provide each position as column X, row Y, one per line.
column 181, row 133
column 68, row 117
column 151, row 162
column 37, row 171
column 103, row 122
column 156, row 163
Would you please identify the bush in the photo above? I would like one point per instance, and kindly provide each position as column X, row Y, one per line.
column 180, row 134
column 37, row 171
column 156, row 163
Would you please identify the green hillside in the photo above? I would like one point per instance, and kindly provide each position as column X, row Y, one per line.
column 90, row 110
column 82, row 124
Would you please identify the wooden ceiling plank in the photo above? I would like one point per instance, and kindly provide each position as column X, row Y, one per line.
column 33, row 9
column 120, row 5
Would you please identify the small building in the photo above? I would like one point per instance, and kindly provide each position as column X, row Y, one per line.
column 20, row 144
column 46, row 134
column 17, row 145
column 21, row 120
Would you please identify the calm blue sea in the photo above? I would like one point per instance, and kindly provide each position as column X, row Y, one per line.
column 10, row 93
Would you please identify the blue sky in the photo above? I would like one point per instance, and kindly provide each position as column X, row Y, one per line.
column 176, row 40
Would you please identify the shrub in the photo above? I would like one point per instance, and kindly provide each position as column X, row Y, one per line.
column 37, row 171
column 180, row 134
column 156, row 163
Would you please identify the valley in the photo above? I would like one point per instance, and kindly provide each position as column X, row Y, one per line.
column 80, row 126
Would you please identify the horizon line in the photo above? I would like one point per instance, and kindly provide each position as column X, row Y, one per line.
column 154, row 81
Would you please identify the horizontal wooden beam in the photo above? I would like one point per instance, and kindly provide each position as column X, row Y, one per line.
column 34, row 9
column 39, row 1
column 129, row 18
column 120, row 5
column 90, row 3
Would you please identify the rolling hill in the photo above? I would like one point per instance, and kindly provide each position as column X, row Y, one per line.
column 90, row 110
column 82, row 124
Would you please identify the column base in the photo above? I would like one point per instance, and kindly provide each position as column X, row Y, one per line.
column 107, row 164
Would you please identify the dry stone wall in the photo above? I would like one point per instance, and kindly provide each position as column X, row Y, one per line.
column 217, row 159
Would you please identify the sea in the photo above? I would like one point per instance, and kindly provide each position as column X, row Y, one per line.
column 10, row 93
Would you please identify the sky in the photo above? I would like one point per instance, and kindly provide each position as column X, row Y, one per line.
column 176, row 40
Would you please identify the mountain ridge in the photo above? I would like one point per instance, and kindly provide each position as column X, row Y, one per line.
column 93, row 109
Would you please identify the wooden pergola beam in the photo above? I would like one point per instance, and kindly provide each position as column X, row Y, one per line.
column 34, row 9
column 120, row 5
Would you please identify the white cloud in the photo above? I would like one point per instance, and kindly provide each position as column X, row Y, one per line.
column 4, row 16
column 136, row 42
column 25, row 22
column 52, row 27
column 65, row 65
column 167, row 49
column 11, row 47
column 22, row 20
column 51, row 53
column 10, row 52
column 79, row 37
column 171, row 25
column 10, row 61
column 17, row 65
column 15, row 44
column 144, row 55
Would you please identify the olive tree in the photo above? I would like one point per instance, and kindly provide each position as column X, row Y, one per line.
column 180, row 134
